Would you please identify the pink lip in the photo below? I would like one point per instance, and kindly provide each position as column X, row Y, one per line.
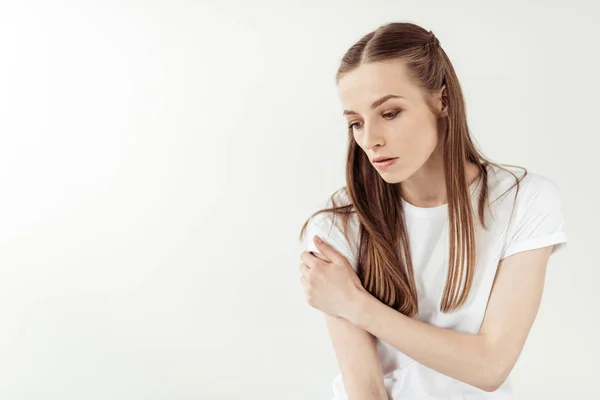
column 384, row 164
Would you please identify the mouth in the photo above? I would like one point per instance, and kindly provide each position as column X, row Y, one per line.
column 379, row 159
column 384, row 162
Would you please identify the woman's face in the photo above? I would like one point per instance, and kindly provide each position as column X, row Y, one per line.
column 400, row 127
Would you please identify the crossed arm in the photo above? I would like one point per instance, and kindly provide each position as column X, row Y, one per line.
column 483, row 360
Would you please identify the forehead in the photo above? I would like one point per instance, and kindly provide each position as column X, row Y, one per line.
column 360, row 87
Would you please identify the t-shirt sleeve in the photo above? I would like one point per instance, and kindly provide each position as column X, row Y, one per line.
column 538, row 219
column 331, row 231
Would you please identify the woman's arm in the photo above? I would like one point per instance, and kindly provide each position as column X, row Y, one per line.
column 356, row 352
column 483, row 360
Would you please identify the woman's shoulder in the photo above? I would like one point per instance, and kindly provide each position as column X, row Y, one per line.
column 340, row 200
column 520, row 184
column 533, row 215
column 342, row 233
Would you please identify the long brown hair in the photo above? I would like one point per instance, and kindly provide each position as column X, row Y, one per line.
column 384, row 260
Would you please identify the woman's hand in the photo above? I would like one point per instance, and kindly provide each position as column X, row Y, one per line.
column 330, row 285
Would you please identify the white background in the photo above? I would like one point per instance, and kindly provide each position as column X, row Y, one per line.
column 158, row 159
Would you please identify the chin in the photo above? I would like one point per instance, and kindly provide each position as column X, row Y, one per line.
column 393, row 177
column 398, row 174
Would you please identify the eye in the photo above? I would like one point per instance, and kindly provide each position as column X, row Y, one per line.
column 391, row 114
column 351, row 126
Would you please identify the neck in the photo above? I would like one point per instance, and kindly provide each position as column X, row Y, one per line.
column 427, row 186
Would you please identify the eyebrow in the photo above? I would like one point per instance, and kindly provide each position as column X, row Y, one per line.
column 376, row 103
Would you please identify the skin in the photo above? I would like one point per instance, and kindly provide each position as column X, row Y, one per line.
column 483, row 360
column 400, row 127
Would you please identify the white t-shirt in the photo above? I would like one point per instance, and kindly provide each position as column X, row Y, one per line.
column 537, row 222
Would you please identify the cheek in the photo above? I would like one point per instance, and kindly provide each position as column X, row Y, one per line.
column 417, row 138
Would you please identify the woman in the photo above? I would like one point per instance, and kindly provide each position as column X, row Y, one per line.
column 432, row 263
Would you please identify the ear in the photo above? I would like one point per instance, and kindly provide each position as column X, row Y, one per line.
column 440, row 102
column 443, row 101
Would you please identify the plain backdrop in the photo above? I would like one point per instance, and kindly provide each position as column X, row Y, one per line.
column 158, row 159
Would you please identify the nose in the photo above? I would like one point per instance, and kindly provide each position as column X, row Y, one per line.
column 370, row 137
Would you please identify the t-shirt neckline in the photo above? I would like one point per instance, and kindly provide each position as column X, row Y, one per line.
column 437, row 210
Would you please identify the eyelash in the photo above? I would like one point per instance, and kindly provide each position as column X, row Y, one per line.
column 393, row 115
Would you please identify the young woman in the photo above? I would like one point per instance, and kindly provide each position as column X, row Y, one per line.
column 432, row 261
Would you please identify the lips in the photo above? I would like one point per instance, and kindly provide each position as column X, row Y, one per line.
column 385, row 164
column 382, row 159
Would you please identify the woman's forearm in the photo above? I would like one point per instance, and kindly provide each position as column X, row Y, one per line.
column 462, row 356
column 373, row 393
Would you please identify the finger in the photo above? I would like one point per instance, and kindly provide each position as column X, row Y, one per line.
column 304, row 282
column 328, row 250
column 304, row 268
column 320, row 256
column 310, row 260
